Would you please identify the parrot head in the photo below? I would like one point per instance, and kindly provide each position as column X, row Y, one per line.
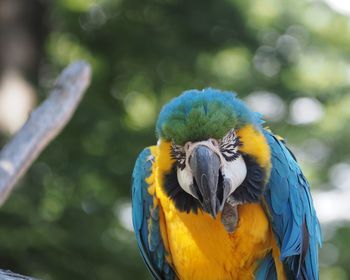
column 214, row 149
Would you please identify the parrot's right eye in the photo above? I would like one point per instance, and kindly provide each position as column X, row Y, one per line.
column 229, row 145
column 178, row 153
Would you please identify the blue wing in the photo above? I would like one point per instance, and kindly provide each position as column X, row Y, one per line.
column 146, row 219
column 292, row 215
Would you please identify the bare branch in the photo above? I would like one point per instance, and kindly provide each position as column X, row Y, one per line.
column 9, row 275
column 43, row 125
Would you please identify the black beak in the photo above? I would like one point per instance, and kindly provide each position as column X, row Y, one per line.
column 205, row 165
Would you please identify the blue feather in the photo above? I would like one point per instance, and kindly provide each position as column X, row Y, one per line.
column 267, row 269
column 146, row 221
column 293, row 216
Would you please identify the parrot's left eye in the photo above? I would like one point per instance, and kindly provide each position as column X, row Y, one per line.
column 178, row 153
column 229, row 145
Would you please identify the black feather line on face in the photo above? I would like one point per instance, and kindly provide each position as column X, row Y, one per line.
column 253, row 185
column 184, row 202
column 229, row 146
column 178, row 153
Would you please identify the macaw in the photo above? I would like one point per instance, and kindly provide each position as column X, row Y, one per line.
column 221, row 197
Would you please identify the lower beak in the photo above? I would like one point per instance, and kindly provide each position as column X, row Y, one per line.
column 205, row 165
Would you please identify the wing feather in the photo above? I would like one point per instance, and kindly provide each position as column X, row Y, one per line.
column 146, row 220
column 292, row 213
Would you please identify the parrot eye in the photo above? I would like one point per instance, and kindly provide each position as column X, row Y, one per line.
column 178, row 153
column 229, row 145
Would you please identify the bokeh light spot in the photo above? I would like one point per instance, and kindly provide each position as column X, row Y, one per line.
column 269, row 104
column 305, row 110
column 141, row 110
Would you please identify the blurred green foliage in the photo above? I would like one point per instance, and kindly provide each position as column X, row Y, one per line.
column 65, row 221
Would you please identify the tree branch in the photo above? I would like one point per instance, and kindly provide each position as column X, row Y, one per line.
column 8, row 275
column 43, row 125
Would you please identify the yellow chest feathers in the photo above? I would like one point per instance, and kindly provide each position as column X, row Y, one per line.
column 201, row 248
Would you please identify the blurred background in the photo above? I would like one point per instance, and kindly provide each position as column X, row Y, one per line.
column 69, row 218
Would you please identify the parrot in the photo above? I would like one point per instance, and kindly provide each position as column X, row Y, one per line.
column 221, row 197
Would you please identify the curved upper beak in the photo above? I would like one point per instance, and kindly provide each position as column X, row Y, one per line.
column 205, row 165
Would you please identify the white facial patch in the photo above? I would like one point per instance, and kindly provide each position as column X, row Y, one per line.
column 185, row 178
column 235, row 172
